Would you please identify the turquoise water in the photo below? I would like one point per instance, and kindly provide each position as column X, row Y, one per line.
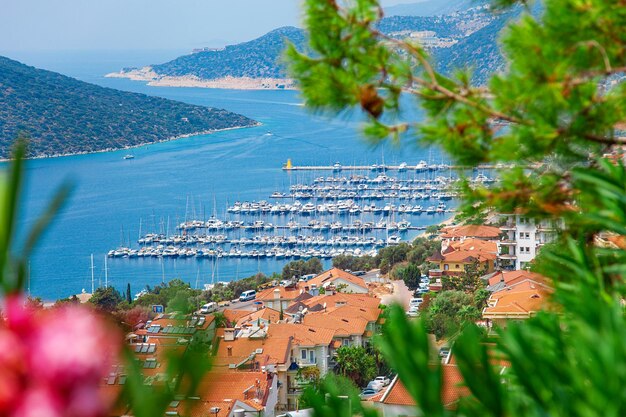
column 112, row 195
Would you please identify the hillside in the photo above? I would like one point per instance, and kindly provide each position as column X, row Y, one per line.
column 257, row 63
column 479, row 51
column 429, row 8
column 63, row 115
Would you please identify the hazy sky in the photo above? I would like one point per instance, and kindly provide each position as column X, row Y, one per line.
column 141, row 24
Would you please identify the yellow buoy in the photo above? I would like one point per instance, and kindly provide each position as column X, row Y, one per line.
column 288, row 164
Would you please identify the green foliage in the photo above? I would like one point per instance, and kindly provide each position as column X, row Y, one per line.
column 551, row 114
column 63, row 115
column 259, row 58
column 355, row 363
column 354, row 263
column 314, row 394
column 14, row 260
column 422, row 249
column 469, row 281
column 106, row 299
column 410, row 274
column 129, row 297
column 300, row 267
column 448, row 311
column 392, row 255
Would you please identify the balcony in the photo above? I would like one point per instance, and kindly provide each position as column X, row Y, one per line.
column 507, row 242
column 508, row 227
column 507, row 256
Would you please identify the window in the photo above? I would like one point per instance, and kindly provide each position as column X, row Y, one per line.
column 303, row 354
column 311, row 356
column 345, row 342
column 456, row 266
column 446, row 267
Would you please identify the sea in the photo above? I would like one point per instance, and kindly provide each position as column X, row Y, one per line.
column 114, row 200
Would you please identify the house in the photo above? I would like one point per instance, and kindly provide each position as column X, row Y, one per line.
column 310, row 347
column 348, row 331
column 395, row 400
column 458, row 256
column 174, row 326
column 250, row 348
column 523, row 239
column 501, row 279
column 264, row 315
column 280, row 297
column 460, row 233
column 342, row 281
column 222, row 393
column 518, row 301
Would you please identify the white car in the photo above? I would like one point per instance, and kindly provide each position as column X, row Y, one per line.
column 385, row 381
column 413, row 312
column 415, row 302
column 375, row 385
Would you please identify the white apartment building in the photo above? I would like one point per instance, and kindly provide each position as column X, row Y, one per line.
column 523, row 239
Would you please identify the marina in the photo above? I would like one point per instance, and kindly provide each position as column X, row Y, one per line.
column 421, row 166
column 148, row 195
column 324, row 217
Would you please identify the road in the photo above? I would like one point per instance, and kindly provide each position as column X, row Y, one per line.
column 401, row 295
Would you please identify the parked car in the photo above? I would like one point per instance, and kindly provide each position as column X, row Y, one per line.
column 247, row 295
column 223, row 303
column 367, row 393
column 385, row 380
column 444, row 352
column 425, row 280
column 375, row 385
column 413, row 312
column 416, row 301
column 359, row 273
column 208, row 308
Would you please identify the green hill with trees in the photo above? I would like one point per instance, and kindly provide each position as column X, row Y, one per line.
column 62, row 115
column 262, row 57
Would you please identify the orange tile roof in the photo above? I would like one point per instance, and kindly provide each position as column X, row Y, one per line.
column 286, row 293
column 518, row 300
column 222, row 388
column 513, row 277
column 464, row 256
column 475, row 245
column 333, row 274
column 303, row 335
column 478, row 231
column 233, row 316
column 266, row 313
column 451, row 391
column 342, row 326
column 369, row 314
column 337, row 299
column 275, row 350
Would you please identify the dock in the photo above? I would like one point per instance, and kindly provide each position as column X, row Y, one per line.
column 382, row 168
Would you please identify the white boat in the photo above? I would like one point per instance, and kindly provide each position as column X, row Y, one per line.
column 421, row 166
column 129, row 156
column 393, row 240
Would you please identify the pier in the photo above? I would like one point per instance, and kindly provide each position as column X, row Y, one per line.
column 420, row 167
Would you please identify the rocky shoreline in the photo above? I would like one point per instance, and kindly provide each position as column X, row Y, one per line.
column 205, row 132
column 148, row 75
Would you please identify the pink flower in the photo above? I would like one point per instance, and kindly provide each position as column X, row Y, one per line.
column 53, row 362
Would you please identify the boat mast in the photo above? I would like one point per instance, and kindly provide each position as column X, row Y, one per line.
column 92, row 275
column 106, row 273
